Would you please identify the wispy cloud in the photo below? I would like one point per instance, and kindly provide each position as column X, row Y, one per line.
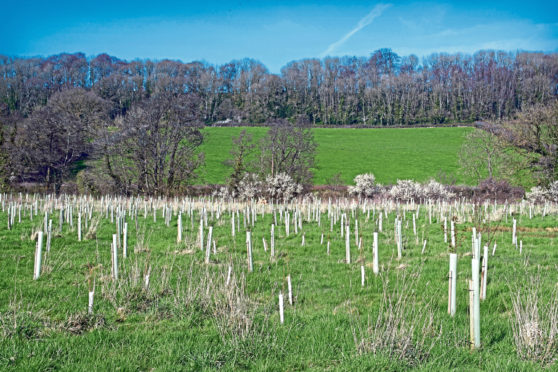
column 365, row 21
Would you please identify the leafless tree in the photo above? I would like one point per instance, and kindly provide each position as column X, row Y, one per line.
column 483, row 155
column 288, row 148
column 56, row 136
column 513, row 149
column 241, row 152
column 534, row 134
column 380, row 89
column 155, row 147
column 8, row 130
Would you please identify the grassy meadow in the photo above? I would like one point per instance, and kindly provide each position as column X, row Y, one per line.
column 391, row 154
column 196, row 314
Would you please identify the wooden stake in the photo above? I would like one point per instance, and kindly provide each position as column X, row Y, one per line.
column 484, row 274
column 445, row 230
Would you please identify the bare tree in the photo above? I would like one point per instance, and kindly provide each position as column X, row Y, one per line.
column 155, row 149
column 7, row 136
column 56, row 136
column 288, row 148
column 510, row 88
column 523, row 148
column 241, row 156
column 483, row 155
column 534, row 134
column 382, row 89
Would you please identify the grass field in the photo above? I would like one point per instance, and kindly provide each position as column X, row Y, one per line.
column 188, row 318
column 391, row 154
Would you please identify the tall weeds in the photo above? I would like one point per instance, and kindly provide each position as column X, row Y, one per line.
column 535, row 321
column 405, row 328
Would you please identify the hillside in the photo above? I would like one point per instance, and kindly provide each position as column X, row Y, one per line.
column 391, row 154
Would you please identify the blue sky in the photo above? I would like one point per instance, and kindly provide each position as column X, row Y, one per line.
column 273, row 32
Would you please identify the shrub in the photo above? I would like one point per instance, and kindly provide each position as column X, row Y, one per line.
column 282, row 187
column 552, row 192
column 329, row 191
column 405, row 328
column 202, row 190
column 436, row 191
column 365, row 186
column 540, row 194
column 535, row 321
column 500, row 190
column 537, row 195
column 406, row 190
column 250, row 187
column 224, row 192
column 279, row 187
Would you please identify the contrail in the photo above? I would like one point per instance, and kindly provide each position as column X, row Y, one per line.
column 376, row 12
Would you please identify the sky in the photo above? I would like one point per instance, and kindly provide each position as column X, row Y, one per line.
column 274, row 33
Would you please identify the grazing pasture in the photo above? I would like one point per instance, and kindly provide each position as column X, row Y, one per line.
column 198, row 284
column 414, row 153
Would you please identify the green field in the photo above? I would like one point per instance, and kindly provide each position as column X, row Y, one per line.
column 188, row 318
column 391, row 154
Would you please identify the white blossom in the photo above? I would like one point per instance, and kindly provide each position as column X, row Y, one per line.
column 249, row 187
column 537, row 195
column 365, row 186
column 436, row 191
column 282, row 187
column 406, row 190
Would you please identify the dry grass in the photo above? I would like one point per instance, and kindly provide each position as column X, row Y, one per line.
column 404, row 328
column 83, row 322
column 535, row 321
column 26, row 323
column 142, row 244
column 92, row 229
column 199, row 290
column 29, row 323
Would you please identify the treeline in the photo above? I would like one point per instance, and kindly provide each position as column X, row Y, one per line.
column 76, row 141
column 383, row 89
column 135, row 127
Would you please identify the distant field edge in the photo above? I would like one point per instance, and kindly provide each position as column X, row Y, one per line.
column 418, row 153
column 351, row 126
